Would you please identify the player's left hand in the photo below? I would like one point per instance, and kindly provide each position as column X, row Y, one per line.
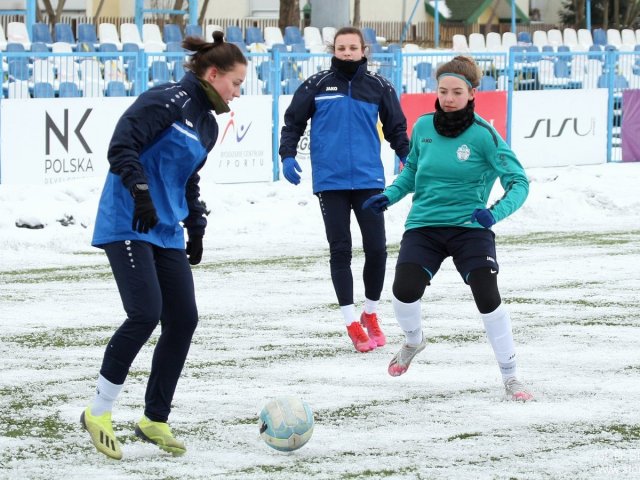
column 483, row 216
column 194, row 249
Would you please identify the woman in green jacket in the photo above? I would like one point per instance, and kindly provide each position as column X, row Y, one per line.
column 454, row 161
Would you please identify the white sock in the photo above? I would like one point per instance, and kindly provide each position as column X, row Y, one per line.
column 370, row 306
column 349, row 314
column 106, row 394
column 497, row 324
column 409, row 317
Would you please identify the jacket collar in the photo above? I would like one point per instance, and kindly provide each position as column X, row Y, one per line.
column 198, row 90
column 362, row 69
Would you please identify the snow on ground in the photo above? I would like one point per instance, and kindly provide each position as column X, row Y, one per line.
column 269, row 326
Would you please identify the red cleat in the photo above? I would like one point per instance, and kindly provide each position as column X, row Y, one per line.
column 359, row 338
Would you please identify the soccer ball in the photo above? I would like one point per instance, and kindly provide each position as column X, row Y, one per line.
column 286, row 423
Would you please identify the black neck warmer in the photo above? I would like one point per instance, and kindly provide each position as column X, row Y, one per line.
column 346, row 67
column 452, row 124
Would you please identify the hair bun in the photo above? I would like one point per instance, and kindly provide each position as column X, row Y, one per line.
column 218, row 36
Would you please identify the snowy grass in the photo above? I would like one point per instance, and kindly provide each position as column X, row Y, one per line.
column 269, row 326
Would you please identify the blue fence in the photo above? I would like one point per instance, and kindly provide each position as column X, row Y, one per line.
column 95, row 73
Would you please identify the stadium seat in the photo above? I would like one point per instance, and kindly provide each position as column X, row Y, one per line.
column 115, row 89
column 554, row 37
column 234, row 34
column 369, row 35
column 43, row 71
column 460, row 43
column 493, row 42
column 477, row 42
column 524, row 38
column 64, row 33
column 87, row 34
column 18, row 69
column 312, row 37
column 151, row 36
column 279, row 47
column 585, row 39
column 253, row 35
column 193, row 31
column 570, row 38
column 292, row 35
column 599, row 37
column 171, row 33
column 540, row 38
column 487, row 83
column 108, row 48
column 39, row 47
column 129, row 33
column 17, row 33
column 69, row 90
column 159, row 73
column 423, row 70
column 328, row 34
column 272, row 36
column 242, row 46
column 178, row 70
column 40, row 33
column 509, row 39
column 298, row 48
column 43, row 90
column 108, row 33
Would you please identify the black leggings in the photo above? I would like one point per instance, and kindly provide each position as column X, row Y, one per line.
column 156, row 286
column 411, row 280
column 336, row 206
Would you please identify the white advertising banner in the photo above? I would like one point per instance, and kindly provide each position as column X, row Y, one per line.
column 243, row 152
column 47, row 141
column 560, row 127
column 303, row 157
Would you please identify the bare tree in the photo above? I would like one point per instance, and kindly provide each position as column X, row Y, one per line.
column 289, row 13
column 356, row 13
column 54, row 15
column 99, row 9
column 203, row 11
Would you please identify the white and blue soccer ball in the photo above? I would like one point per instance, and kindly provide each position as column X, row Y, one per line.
column 286, row 423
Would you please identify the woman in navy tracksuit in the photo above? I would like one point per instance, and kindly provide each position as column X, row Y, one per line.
column 344, row 104
column 158, row 146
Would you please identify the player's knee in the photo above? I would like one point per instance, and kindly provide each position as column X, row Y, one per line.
column 410, row 282
column 484, row 286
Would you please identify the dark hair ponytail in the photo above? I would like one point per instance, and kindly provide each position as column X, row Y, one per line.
column 220, row 54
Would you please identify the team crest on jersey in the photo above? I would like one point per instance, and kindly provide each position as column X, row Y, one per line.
column 463, row 153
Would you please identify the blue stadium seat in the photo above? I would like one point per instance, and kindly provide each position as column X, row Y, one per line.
column 115, row 89
column 86, row 47
column 159, row 72
column 599, row 37
column 178, row 70
column 394, row 47
column 375, row 48
column 108, row 48
column 253, row 35
column 68, row 89
column 298, row 48
column 87, row 33
column 423, row 70
column 279, row 47
column 289, row 70
column 40, row 33
column 193, row 31
column 292, row 35
column 487, row 83
column 524, row 37
column 171, row 33
column 19, row 69
column 64, row 33
column 369, row 35
column 15, row 47
column 233, row 34
column 43, row 90
column 263, row 70
column 39, row 47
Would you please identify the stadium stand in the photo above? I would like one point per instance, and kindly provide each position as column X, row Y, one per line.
column 17, row 33
column 64, row 33
column 43, row 90
column 171, row 33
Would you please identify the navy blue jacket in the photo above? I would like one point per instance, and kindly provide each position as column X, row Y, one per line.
column 345, row 144
column 163, row 140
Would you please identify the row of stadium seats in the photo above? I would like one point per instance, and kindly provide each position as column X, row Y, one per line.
column 152, row 39
column 575, row 40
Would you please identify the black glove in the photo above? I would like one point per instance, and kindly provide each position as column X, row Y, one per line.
column 194, row 249
column 144, row 213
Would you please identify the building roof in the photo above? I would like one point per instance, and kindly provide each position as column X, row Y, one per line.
column 469, row 11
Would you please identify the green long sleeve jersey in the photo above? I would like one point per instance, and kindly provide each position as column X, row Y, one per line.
column 451, row 177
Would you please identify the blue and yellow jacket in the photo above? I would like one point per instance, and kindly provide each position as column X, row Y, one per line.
column 163, row 140
column 345, row 145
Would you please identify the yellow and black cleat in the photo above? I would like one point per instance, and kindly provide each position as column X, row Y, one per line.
column 101, row 431
column 159, row 433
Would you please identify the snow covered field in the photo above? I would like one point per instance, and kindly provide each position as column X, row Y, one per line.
column 570, row 271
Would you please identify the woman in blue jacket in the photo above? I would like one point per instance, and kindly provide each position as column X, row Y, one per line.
column 158, row 146
column 344, row 104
